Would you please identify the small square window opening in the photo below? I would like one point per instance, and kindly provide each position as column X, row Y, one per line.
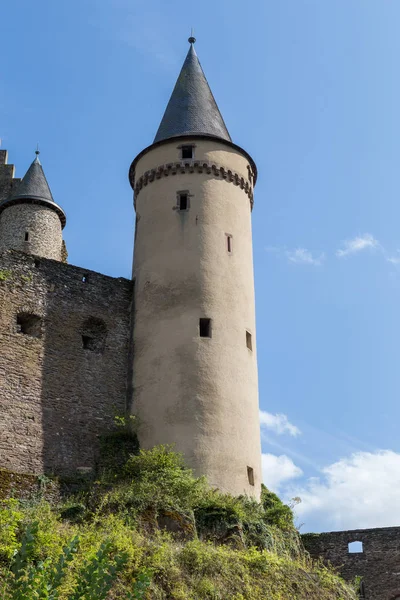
column 89, row 342
column 183, row 202
column 205, row 328
column 187, row 152
column 29, row 324
column 27, row 236
column 94, row 334
column 355, row 548
column 250, row 475
column 249, row 341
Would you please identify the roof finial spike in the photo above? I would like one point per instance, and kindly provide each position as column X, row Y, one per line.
column 37, row 152
column 192, row 39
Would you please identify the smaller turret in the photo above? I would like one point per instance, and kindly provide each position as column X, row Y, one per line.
column 30, row 220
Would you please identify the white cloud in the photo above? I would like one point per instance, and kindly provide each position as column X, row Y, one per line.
column 360, row 491
column 357, row 244
column 277, row 470
column 278, row 423
column 395, row 260
column 302, row 256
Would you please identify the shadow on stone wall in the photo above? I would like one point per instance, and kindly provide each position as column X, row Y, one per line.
column 85, row 364
column 61, row 386
column 371, row 554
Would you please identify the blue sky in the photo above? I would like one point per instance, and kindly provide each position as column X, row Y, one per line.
column 311, row 89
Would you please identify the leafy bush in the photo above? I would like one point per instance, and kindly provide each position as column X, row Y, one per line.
column 99, row 545
column 10, row 518
column 276, row 513
column 96, row 576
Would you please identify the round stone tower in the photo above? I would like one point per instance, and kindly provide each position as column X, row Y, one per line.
column 30, row 220
column 194, row 365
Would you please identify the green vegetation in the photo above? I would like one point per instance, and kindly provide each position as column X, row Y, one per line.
column 154, row 531
column 27, row 278
column 5, row 275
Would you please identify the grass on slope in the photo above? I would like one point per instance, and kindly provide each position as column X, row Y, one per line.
column 154, row 531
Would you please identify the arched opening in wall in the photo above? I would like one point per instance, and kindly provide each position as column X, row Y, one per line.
column 355, row 548
column 94, row 334
column 29, row 324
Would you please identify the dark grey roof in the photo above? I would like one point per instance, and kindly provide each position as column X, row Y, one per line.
column 192, row 108
column 34, row 184
column 33, row 187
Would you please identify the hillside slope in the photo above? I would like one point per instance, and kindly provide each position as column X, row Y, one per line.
column 154, row 531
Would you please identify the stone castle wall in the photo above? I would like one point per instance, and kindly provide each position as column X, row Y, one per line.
column 64, row 347
column 6, row 175
column 378, row 564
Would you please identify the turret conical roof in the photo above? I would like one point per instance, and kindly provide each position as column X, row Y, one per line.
column 34, row 184
column 33, row 188
column 192, row 109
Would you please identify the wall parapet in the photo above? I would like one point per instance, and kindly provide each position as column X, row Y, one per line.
column 195, row 166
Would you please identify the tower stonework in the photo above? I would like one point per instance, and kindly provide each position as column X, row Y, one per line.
column 176, row 346
column 195, row 379
column 30, row 220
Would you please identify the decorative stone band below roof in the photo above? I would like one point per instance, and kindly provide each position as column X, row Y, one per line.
column 40, row 201
column 194, row 167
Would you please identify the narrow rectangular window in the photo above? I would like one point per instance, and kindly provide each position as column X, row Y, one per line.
column 229, row 243
column 187, row 152
column 249, row 341
column 205, row 328
column 27, row 236
column 183, row 201
column 250, row 475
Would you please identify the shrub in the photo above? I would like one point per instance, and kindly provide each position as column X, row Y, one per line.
column 100, row 546
column 94, row 578
column 276, row 513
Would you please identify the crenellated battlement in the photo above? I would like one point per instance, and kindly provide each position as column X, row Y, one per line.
column 7, row 179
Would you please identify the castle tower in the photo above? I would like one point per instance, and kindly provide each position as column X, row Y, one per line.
column 30, row 220
column 194, row 366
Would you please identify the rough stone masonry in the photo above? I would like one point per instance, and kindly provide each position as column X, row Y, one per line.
column 373, row 555
column 64, row 348
column 67, row 362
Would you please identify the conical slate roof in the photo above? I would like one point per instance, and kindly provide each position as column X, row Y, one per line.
column 192, row 108
column 34, row 184
column 33, row 188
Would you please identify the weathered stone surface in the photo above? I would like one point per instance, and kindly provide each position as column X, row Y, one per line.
column 179, row 524
column 56, row 396
column 26, row 487
column 41, row 225
column 378, row 565
column 7, row 180
column 219, row 526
